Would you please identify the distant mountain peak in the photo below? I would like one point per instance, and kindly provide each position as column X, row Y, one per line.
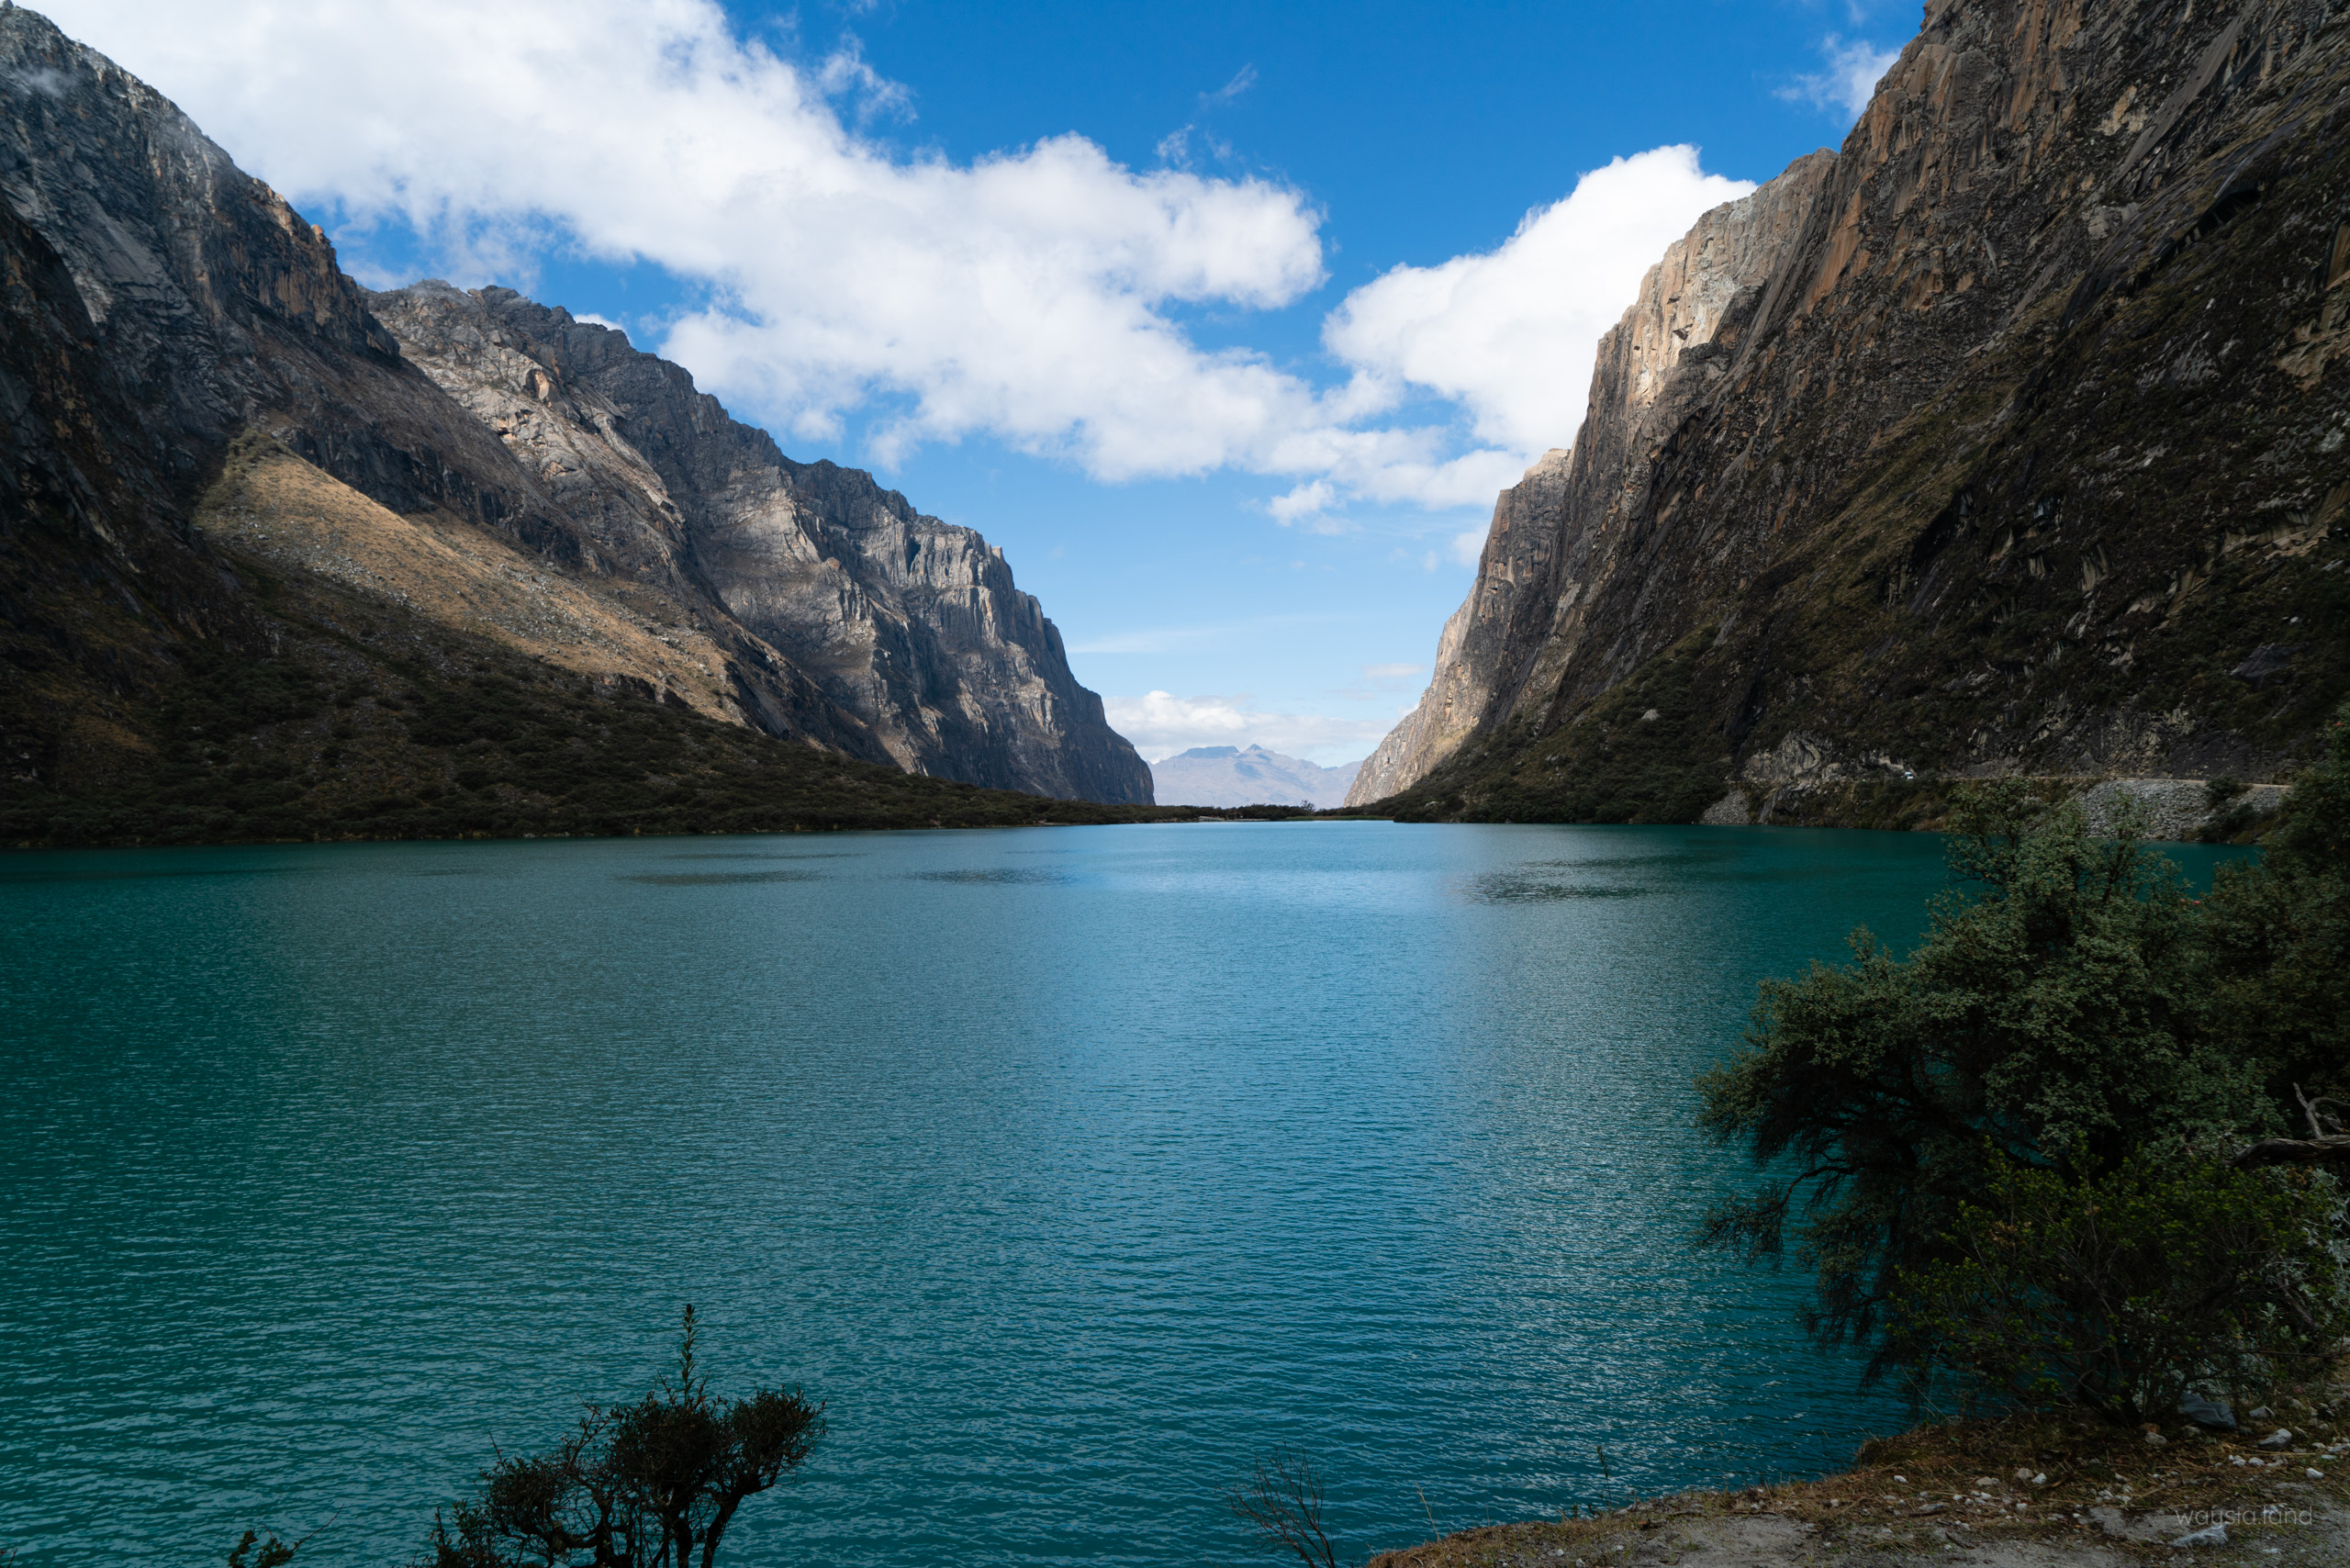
column 1247, row 775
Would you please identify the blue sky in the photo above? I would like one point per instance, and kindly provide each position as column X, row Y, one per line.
column 1115, row 284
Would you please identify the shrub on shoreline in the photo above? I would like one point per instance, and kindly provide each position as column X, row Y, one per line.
column 1950, row 1139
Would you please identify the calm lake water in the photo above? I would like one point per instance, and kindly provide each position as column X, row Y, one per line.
column 1073, row 1167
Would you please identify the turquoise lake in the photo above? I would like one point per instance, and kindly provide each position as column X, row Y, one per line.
column 1072, row 1166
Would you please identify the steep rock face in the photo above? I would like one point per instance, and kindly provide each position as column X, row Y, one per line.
column 195, row 399
column 2015, row 444
column 1534, row 574
column 167, row 304
column 914, row 624
column 1476, row 653
column 204, row 291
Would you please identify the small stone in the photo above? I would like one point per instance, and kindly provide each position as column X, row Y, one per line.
column 2314, row 1474
column 2208, row 1412
column 2263, row 1414
column 2282, row 1437
column 2156, row 1440
column 2210, row 1535
column 2024, row 1475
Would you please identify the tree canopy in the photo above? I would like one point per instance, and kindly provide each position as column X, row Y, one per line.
column 2070, row 1009
column 640, row 1485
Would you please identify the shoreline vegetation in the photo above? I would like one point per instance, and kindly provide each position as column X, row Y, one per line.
column 2069, row 1172
column 357, row 731
column 363, row 722
column 745, row 784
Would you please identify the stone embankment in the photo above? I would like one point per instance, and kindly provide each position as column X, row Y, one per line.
column 2175, row 810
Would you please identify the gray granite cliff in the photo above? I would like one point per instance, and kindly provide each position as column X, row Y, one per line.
column 185, row 369
column 2008, row 437
column 914, row 624
column 1518, row 623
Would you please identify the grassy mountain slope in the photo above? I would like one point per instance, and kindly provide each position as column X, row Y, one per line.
column 363, row 719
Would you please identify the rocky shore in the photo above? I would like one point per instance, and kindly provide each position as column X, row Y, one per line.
column 2171, row 809
column 2040, row 1493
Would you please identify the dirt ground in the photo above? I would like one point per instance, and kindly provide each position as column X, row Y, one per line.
column 2044, row 1493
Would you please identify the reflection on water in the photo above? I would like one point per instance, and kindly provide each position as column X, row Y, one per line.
column 1681, row 863
column 998, row 875
column 1515, row 887
column 770, row 855
column 716, row 879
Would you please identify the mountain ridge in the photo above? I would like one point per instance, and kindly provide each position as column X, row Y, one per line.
column 2007, row 439
column 912, row 623
column 206, row 422
column 1247, row 776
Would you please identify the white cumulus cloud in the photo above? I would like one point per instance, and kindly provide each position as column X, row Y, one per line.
column 1304, row 503
column 1511, row 333
column 1030, row 297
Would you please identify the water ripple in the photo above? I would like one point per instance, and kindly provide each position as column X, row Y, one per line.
column 327, row 1179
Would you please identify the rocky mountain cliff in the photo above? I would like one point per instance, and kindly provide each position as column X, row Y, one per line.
column 912, row 624
column 2009, row 437
column 215, row 450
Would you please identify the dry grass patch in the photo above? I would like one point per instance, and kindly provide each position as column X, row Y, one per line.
column 271, row 504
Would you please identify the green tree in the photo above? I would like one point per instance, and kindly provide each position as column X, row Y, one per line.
column 2277, row 945
column 2070, row 1015
column 275, row 1553
column 2119, row 1292
column 2048, row 1018
column 633, row 1486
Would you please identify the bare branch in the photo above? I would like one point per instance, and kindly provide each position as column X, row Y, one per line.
column 2320, row 1125
column 1283, row 1501
column 2328, row 1149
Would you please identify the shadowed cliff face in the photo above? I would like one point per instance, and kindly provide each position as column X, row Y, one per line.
column 165, row 305
column 200, row 406
column 1484, row 640
column 1534, row 574
column 2007, row 437
column 912, row 624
